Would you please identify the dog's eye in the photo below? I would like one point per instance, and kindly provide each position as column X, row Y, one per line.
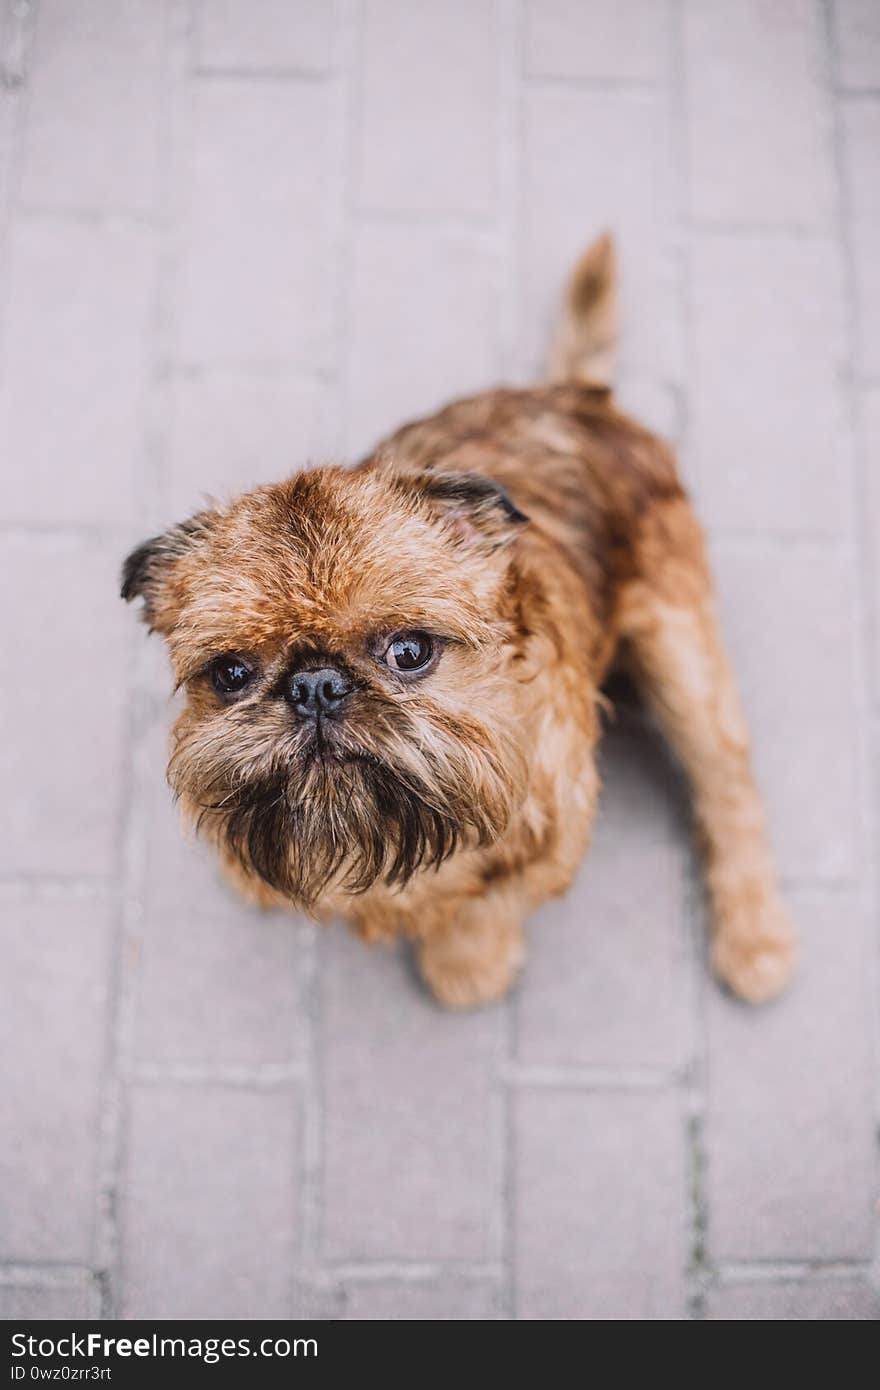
column 409, row 651
column 230, row 674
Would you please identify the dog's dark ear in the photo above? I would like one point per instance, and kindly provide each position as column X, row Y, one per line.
column 476, row 507
column 147, row 569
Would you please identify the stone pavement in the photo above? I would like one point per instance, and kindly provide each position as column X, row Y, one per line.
column 242, row 234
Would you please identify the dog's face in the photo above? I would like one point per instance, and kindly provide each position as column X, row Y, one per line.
column 347, row 641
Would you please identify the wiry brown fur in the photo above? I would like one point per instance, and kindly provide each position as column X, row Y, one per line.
column 448, row 807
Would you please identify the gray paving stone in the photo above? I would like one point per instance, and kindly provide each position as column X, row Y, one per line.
column 255, row 280
column 7, row 135
column 53, row 1031
column 814, row 1300
column 210, row 1211
column 75, row 368
column 424, row 326
column 410, row 1130
column 605, row 981
column 449, row 1298
column 789, row 1128
column 769, row 448
column 599, row 1198
column 234, row 36
column 857, row 33
column 869, row 413
column 67, row 628
column 757, row 127
column 230, row 430
column 94, row 106
column 436, row 64
column 591, row 160
column 627, row 40
column 861, row 128
column 31, row 1302
column 651, row 402
column 219, row 983
column 789, row 618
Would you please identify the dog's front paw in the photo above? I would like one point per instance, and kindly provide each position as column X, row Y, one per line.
column 754, row 951
column 464, row 979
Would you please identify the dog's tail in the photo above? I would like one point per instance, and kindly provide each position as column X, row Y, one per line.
column 584, row 347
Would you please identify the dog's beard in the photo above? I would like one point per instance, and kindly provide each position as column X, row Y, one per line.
column 324, row 813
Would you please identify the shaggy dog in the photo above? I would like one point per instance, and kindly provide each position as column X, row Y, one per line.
column 393, row 671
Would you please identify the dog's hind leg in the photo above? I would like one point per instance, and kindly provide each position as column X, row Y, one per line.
column 670, row 631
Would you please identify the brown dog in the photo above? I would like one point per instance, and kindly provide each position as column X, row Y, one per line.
column 392, row 672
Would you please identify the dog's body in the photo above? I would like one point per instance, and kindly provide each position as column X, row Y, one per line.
column 393, row 672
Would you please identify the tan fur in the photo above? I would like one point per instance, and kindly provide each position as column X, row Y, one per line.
column 448, row 807
column 584, row 347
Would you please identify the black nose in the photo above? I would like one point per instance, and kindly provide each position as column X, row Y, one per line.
column 318, row 692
